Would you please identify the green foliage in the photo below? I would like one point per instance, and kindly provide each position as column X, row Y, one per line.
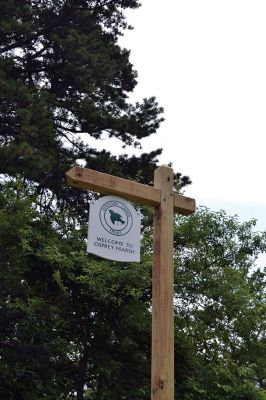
column 220, row 306
column 68, row 319
column 73, row 326
column 223, row 380
column 63, row 81
column 34, row 356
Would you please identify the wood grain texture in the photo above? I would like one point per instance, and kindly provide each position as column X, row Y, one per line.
column 184, row 205
column 162, row 372
column 89, row 179
column 166, row 202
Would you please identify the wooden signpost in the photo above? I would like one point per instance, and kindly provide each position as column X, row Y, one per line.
column 165, row 202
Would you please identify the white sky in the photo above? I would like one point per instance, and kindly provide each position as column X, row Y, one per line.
column 205, row 61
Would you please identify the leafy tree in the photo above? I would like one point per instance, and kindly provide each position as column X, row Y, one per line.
column 70, row 321
column 220, row 306
column 73, row 326
column 66, row 320
column 34, row 354
column 63, row 81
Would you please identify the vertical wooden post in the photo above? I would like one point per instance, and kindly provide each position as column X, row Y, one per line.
column 166, row 202
column 162, row 370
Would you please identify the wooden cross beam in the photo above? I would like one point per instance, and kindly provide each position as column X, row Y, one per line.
column 165, row 202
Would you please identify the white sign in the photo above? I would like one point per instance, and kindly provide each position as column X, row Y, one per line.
column 114, row 229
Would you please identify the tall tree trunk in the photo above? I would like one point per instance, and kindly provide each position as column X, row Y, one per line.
column 82, row 368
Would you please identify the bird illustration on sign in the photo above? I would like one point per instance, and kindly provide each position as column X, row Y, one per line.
column 116, row 217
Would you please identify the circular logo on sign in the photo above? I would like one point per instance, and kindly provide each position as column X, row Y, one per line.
column 116, row 218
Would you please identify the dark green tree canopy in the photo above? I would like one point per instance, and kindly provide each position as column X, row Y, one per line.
column 63, row 80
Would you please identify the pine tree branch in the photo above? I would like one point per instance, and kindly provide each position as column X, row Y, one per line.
column 41, row 32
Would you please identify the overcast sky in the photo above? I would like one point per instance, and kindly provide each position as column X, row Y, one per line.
column 205, row 61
